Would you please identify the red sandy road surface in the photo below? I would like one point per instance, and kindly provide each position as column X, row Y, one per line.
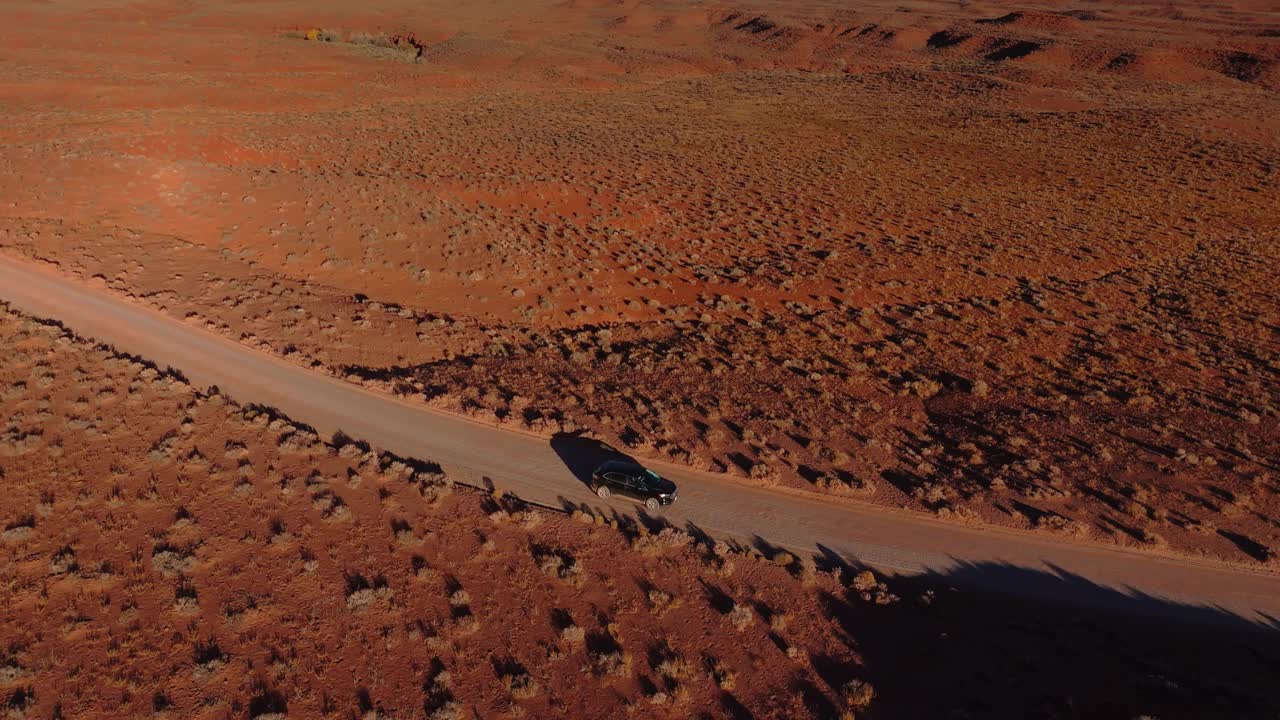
column 529, row 467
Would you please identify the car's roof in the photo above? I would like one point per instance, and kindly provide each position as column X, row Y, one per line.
column 631, row 469
column 623, row 466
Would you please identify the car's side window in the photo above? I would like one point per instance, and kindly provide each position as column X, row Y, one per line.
column 614, row 478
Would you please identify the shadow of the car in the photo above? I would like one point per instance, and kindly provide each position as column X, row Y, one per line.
column 583, row 455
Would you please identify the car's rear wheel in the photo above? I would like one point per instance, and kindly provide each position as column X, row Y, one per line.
column 603, row 492
column 652, row 503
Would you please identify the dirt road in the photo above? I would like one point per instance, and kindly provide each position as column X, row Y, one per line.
column 550, row 472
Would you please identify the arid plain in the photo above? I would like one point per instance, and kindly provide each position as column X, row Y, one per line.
column 1005, row 264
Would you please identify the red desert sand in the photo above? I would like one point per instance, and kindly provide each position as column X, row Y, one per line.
column 1007, row 264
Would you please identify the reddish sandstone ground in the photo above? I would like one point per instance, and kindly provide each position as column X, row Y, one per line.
column 1005, row 263
column 165, row 553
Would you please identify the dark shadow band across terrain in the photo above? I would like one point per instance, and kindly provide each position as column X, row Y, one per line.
column 945, row 649
column 1071, row 590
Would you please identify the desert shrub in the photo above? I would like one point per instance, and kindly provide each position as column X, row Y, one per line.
column 674, row 667
column 667, row 538
column 520, row 685
column 724, row 678
column 1055, row 523
column 10, row 672
column 865, row 581
column 324, row 35
column 572, row 634
column 208, row 658
column 465, row 624
column 529, row 519
column 557, row 565
column 808, row 572
column 21, row 703
column 451, row 710
column 764, row 474
column 778, row 621
column 741, row 616
column 610, row 663
column 63, row 562
column 360, row 599
column 170, row 562
column 835, row 456
column 1152, row 539
column 662, row 602
column 647, row 544
column 857, row 694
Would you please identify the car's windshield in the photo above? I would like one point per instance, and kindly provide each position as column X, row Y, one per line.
column 650, row 478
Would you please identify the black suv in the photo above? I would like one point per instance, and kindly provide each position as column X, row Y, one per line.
column 633, row 481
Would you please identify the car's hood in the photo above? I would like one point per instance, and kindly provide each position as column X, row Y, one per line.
column 665, row 486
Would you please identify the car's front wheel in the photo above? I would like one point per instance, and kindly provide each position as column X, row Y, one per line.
column 603, row 492
column 652, row 503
